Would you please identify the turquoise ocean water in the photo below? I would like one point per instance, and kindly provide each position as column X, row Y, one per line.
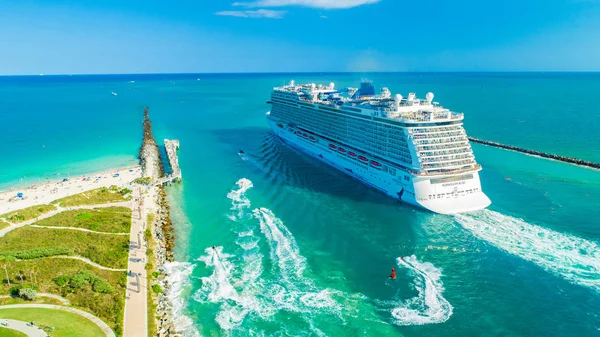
column 306, row 251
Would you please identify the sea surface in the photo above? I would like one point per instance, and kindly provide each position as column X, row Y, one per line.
column 302, row 250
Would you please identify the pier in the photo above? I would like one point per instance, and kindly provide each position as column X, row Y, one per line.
column 563, row 159
column 171, row 146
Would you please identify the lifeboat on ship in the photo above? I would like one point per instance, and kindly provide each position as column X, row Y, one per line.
column 363, row 159
column 298, row 133
column 376, row 165
column 342, row 150
column 305, row 135
column 333, row 147
column 312, row 138
column 351, row 154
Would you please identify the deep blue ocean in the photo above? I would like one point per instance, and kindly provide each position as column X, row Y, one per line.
column 304, row 250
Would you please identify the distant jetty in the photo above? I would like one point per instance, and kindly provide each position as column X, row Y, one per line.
column 564, row 159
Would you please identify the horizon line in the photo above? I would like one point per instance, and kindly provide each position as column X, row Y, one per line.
column 313, row 72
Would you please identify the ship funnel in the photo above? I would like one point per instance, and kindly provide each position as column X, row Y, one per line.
column 429, row 97
column 398, row 99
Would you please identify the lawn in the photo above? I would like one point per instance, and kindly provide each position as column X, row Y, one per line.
column 98, row 196
column 11, row 333
column 3, row 224
column 106, row 250
column 108, row 306
column 65, row 324
column 110, row 219
column 27, row 213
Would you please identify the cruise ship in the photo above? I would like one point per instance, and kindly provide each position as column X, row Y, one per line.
column 412, row 149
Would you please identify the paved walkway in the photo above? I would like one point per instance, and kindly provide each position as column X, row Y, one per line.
column 135, row 323
column 103, row 326
column 24, row 327
column 58, row 210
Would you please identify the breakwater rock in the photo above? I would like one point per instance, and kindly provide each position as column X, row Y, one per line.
column 149, row 155
column 564, row 159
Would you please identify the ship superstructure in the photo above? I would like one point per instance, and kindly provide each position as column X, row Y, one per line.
column 412, row 149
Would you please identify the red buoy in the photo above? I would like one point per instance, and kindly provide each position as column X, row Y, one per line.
column 393, row 274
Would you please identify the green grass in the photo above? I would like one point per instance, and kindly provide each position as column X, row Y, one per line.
column 27, row 213
column 150, row 269
column 109, row 307
column 39, row 300
column 110, row 219
column 65, row 324
column 11, row 333
column 34, row 253
column 3, row 224
column 98, row 196
column 106, row 250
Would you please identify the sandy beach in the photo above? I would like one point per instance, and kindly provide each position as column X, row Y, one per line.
column 49, row 191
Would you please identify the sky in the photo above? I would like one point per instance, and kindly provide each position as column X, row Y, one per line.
column 196, row 36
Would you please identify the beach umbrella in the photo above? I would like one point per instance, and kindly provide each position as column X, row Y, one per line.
column 20, row 195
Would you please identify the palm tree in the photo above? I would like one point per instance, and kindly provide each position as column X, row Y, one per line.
column 6, row 271
column 21, row 275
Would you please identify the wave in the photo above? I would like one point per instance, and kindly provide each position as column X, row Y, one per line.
column 429, row 306
column 571, row 257
column 178, row 277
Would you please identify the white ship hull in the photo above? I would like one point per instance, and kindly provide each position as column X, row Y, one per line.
column 462, row 195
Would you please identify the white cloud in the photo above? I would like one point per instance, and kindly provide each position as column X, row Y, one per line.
column 325, row 4
column 259, row 13
column 323, row 17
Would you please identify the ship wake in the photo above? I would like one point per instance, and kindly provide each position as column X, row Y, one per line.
column 571, row 257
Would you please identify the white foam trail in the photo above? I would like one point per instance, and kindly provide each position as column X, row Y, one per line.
column 284, row 249
column 295, row 292
column 429, row 306
column 575, row 259
column 178, row 277
column 239, row 201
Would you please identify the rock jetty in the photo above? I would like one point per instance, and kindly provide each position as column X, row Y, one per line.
column 149, row 155
column 564, row 159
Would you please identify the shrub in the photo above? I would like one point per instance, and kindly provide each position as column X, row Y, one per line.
column 101, row 285
column 155, row 274
column 157, row 288
column 27, row 294
column 36, row 253
column 62, row 280
column 124, row 191
column 142, row 180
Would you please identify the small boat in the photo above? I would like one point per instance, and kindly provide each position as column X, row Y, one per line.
column 312, row 138
column 241, row 151
column 375, row 164
column 298, row 133
column 333, row 147
column 305, row 135
column 352, row 155
column 342, row 150
column 113, row 93
column 363, row 159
